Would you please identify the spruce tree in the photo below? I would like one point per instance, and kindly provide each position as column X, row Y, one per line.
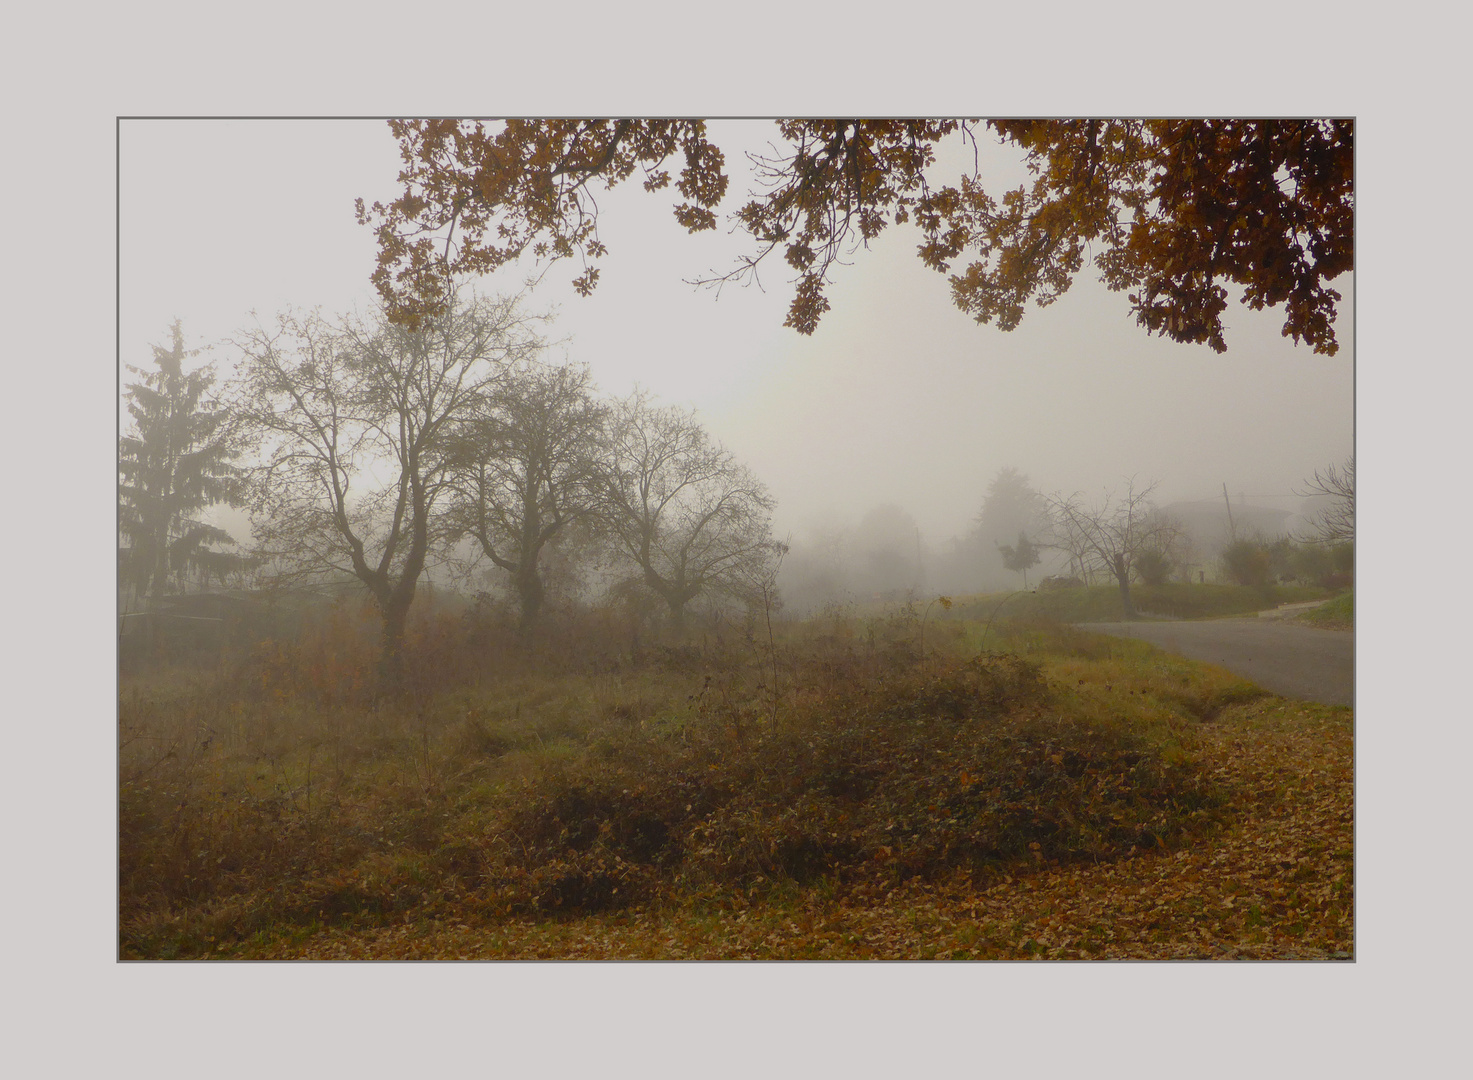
column 175, row 461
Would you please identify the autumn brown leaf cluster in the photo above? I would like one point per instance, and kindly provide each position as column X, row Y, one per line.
column 1172, row 212
column 474, row 199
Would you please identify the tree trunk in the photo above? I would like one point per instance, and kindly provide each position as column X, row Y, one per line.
column 677, row 614
column 529, row 592
column 391, row 661
column 1122, row 575
column 675, row 594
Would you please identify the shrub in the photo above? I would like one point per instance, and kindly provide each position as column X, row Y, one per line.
column 1312, row 562
column 1247, row 563
column 1154, row 567
column 1281, row 560
column 879, row 774
column 1331, row 567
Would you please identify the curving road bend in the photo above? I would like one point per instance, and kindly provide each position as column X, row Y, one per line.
column 1294, row 661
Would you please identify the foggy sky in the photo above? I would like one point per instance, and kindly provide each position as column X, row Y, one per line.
column 897, row 398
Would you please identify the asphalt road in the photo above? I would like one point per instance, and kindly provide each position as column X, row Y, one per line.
column 1294, row 661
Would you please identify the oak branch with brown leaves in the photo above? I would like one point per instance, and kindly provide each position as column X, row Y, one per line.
column 1171, row 212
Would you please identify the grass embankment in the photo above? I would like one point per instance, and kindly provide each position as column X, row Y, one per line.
column 1101, row 603
column 1090, row 798
column 1337, row 614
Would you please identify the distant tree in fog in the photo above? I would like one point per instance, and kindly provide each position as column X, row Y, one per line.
column 1247, row 562
column 887, row 551
column 681, row 508
column 354, row 421
column 524, row 468
column 1113, row 534
column 1020, row 558
column 1154, row 566
column 176, row 459
column 1010, row 507
column 817, row 570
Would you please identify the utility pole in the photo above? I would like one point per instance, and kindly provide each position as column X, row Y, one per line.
column 1232, row 529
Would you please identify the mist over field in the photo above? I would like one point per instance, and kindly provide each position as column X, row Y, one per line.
column 877, row 437
column 465, row 616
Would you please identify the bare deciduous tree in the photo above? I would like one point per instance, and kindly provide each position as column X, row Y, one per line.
column 524, row 469
column 681, row 508
column 354, row 421
column 1335, row 523
column 1114, row 533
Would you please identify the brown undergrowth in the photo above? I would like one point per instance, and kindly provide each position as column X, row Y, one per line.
column 1061, row 798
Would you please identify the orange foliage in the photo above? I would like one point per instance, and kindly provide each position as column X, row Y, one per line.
column 1176, row 209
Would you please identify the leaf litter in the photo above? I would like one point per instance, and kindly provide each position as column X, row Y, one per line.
column 1275, row 882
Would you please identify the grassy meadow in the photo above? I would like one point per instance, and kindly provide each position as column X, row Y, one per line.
column 911, row 784
column 1336, row 614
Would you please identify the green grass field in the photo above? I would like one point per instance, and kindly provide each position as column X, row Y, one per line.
column 1336, row 614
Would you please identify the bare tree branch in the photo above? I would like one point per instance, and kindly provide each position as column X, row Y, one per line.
column 335, row 407
column 1113, row 534
column 1333, row 524
column 680, row 507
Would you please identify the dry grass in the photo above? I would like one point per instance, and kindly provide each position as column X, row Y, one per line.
column 1277, row 883
column 1076, row 797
